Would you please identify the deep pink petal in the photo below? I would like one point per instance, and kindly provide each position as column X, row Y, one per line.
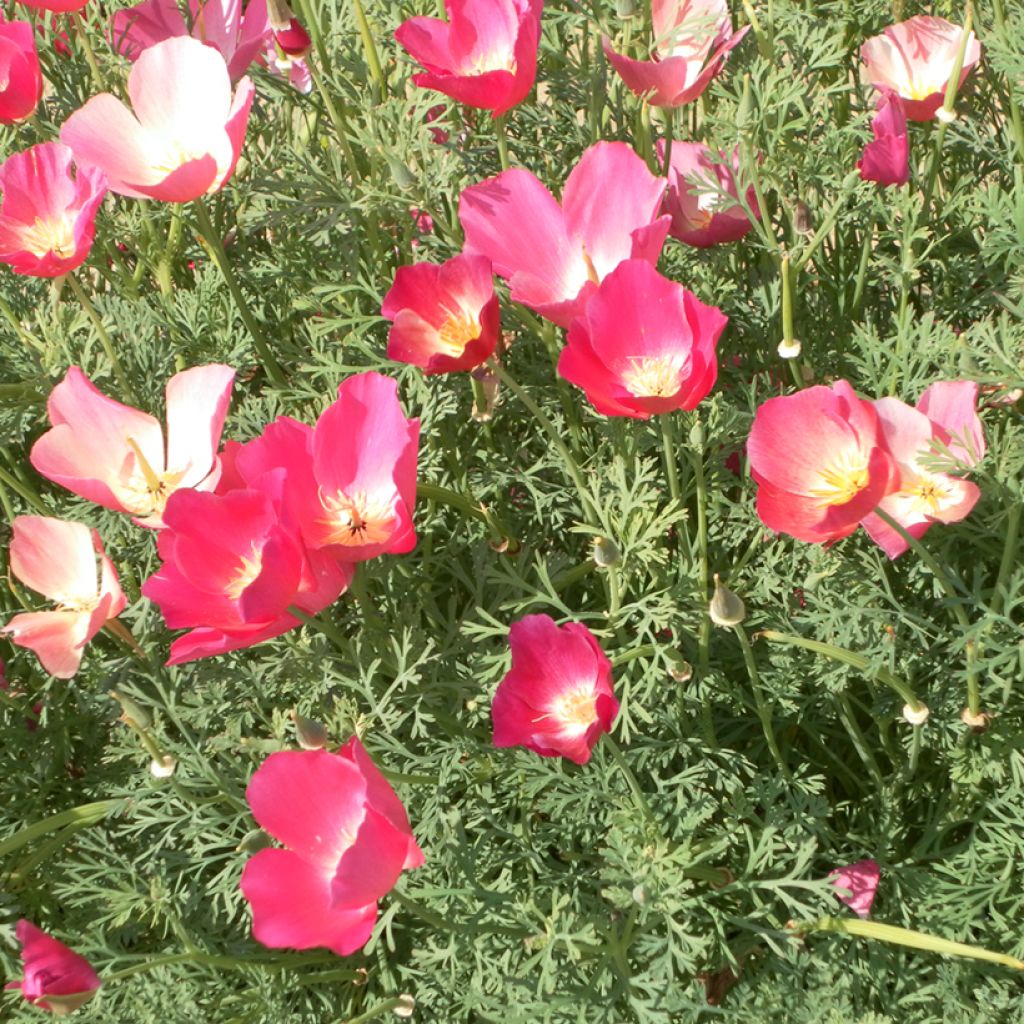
column 861, row 879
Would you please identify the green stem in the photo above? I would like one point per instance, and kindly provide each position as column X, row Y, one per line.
column 108, row 345
column 77, row 817
column 324, row 627
column 462, row 503
column 1009, row 559
column 500, row 130
column 369, row 47
column 82, row 34
column 376, row 1011
column 16, row 485
column 763, row 711
column 229, row 962
column 670, row 130
column 668, row 449
column 634, row 786
column 697, row 460
column 1015, row 118
column 15, row 323
column 614, row 594
column 216, row 246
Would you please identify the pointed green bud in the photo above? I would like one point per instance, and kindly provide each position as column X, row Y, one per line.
column 312, row 735
column 254, row 841
column 726, row 609
column 606, row 553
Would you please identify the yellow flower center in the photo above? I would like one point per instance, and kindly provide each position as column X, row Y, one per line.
column 456, row 333
column 145, row 491
column 928, row 494
column 46, row 236
column 72, row 603
column 576, row 709
column 652, row 376
column 247, row 571
column 840, row 483
column 354, row 520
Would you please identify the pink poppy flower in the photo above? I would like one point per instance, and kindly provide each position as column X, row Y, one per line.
column 692, row 38
column 58, row 560
column 644, row 346
column 57, row 6
column 915, row 59
column 886, row 158
column 21, row 80
column 47, row 214
column 557, row 698
column 861, row 880
column 945, row 414
column 185, row 135
column 701, row 214
column 56, row 978
column 115, row 456
column 555, row 256
column 445, row 318
column 485, row 55
column 348, row 839
column 233, row 564
column 821, row 462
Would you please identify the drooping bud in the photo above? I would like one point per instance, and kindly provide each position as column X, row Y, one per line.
column 312, row 735
column 726, row 609
column 606, row 553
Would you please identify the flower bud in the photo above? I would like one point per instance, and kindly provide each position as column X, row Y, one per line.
column 606, row 553
column 726, row 609
column 254, row 841
column 312, row 735
column 918, row 717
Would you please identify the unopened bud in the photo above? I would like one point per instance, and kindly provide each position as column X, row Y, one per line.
column 401, row 174
column 945, row 116
column 802, row 218
column 639, row 895
column 789, row 348
column 918, row 717
column 294, row 40
column 406, row 1006
column 62, row 1005
column 312, row 735
column 606, row 553
column 132, row 710
column 626, row 8
column 485, row 394
column 254, row 841
column 162, row 767
column 726, row 609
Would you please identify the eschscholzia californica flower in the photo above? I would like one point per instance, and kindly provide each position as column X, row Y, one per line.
column 692, row 38
column 56, row 978
column 821, row 462
column 485, row 55
column 185, row 135
column 915, row 59
column 886, row 159
column 56, row 6
column 860, row 880
column 47, row 214
column 21, row 80
column 445, row 318
column 348, row 839
column 645, row 345
column 945, row 415
column 115, row 455
column 557, row 698
column 58, row 560
column 233, row 564
column 554, row 256
column 702, row 196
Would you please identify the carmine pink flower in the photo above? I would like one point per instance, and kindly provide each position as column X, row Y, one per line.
column 915, row 59
column 692, row 38
column 58, row 560
column 47, row 214
column 861, row 881
column 348, row 839
column 557, row 698
column 56, row 978
column 57, row 6
column 698, row 197
column 233, row 564
column 554, row 256
column 821, row 462
column 886, row 158
column 485, row 55
column 185, row 135
column 21, row 80
column 645, row 345
column 445, row 318
column 946, row 415
column 115, row 455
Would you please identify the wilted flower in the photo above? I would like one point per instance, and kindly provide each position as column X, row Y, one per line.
column 115, row 455
column 485, row 55
column 445, row 318
column 645, row 345
column 886, row 159
column 58, row 560
column 692, row 38
column 348, row 839
column 56, row 978
column 47, row 214
column 21, row 80
column 185, row 135
column 557, row 698
column 861, row 880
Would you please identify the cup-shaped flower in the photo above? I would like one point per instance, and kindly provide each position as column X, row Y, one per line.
column 115, row 456
column 233, row 564
column 692, row 38
column 56, row 978
column 557, row 698
column 485, row 55
column 58, row 560
column 238, row 36
column 186, row 132
column 886, row 159
column 47, row 213
column 446, row 317
column 860, row 880
column 946, row 416
column 644, row 345
column 821, row 462
column 348, row 839
column 703, row 198
column 915, row 60
column 21, row 80
column 552, row 255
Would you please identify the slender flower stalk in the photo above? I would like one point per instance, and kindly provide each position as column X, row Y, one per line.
column 370, row 48
column 108, row 345
column 764, row 712
column 703, row 579
column 501, row 133
column 668, row 448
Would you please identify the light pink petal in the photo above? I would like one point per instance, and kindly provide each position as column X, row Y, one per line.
column 952, row 405
column 55, row 558
column 197, row 402
column 56, row 637
column 861, row 879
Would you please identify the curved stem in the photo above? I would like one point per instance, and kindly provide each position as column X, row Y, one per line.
column 108, row 345
column 763, row 711
column 462, row 503
column 25, row 336
column 634, row 786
